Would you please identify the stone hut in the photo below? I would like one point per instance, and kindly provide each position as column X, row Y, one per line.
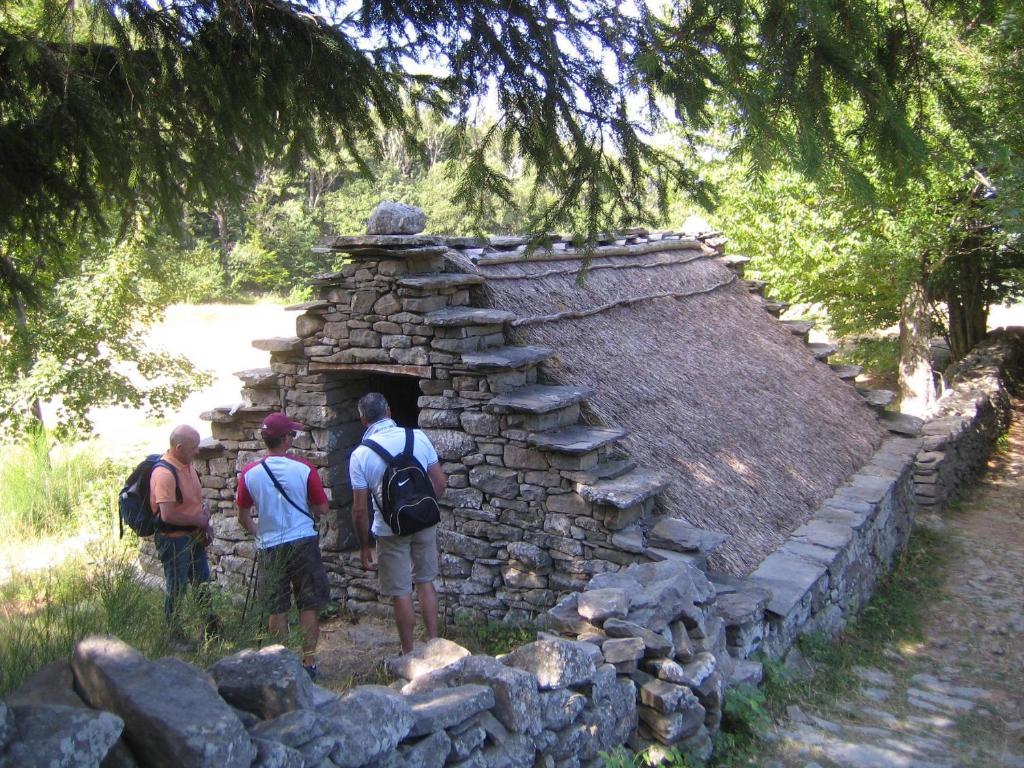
column 638, row 401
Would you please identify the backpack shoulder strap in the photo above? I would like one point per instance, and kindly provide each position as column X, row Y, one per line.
column 281, row 490
column 376, row 448
column 409, row 438
column 174, row 473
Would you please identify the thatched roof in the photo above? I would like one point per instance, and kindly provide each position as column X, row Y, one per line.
column 756, row 432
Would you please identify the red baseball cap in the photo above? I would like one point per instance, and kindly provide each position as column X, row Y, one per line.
column 279, row 425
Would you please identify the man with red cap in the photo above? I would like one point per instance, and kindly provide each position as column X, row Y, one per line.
column 288, row 496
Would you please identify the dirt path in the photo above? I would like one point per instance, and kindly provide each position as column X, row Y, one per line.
column 956, row 699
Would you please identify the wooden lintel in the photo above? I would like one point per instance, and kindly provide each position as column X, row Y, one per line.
column 355, row 369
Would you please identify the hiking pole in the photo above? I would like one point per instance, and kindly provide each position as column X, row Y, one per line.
column 251, row 590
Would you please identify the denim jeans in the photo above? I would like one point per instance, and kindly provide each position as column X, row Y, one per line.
column 184, row 561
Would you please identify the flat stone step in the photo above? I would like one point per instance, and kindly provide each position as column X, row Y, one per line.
column 308, row 305
column 735, row 262
column 822, row 351
column 538, row 398
column 499, row 358
column 798, row 327
column 774, row 308
column 846, row 372
column 258, row 378
column 755, row 286
column 626, row 490
column 577, row 439
column 901, row 423
column 228, row 413
column 878, row 398
column 279, row 344
column 694, row 559
column 607, row 470
column 438, row 281
column 458, row 316
column 680, row 536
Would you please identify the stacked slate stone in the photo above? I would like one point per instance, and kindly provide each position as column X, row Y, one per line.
column 972, row 414
column 657, row 624
column 537, row 502
column 553, row 703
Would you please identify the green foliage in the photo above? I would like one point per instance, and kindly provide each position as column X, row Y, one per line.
column 194, row 275
column 491, row 637
column 877, row 356
column 669, row 757
column 82, row 344
column 117, row 108
column 893, row 617
column 46, row 491
column 45, row 614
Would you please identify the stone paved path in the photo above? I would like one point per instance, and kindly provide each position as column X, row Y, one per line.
column 956, row 699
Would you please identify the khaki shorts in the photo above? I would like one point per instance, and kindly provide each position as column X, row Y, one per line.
column 406, row 560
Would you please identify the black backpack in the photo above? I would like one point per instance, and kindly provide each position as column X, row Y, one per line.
column 409, row 503
column 133, row 501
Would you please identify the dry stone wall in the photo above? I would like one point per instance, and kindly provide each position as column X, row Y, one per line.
column 538, row 502
column 830, row 566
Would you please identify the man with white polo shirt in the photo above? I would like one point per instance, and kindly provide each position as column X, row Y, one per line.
column 288, row 495
column 402, row 561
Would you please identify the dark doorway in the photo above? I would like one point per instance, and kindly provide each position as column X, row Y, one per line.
column 402, row 394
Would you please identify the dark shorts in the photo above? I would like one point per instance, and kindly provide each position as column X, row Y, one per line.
column 293, row 568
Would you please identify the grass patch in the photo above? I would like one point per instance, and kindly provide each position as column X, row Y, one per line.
column 44, row 614
column 893, row 618
column 47, row 489
column 491, row 637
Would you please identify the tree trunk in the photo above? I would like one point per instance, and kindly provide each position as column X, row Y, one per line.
column 917, row 388
column 224, row 240
column 968, row 323
column 22, row 324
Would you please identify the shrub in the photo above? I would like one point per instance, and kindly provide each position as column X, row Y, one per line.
column 45, row 614
column 47, row 490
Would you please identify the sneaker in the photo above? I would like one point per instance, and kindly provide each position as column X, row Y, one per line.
column 311, row 670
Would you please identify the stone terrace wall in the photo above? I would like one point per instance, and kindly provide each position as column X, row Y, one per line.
column 972, row 414
column 830, row 566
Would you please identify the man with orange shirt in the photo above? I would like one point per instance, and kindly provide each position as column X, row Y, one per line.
column 182, row 530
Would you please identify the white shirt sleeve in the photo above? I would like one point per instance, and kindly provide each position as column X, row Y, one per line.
column 429, row 452
column 357, row 469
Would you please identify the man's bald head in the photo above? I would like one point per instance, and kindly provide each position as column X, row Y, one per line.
column 184, row 433
column 184, row 442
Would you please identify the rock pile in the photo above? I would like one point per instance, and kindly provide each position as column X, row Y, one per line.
column 550, row 703
column 657, row 625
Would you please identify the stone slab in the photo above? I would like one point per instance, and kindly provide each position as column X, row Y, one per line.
column 628, row 490
column 878, row 398
column 788, row 578
column 798, row 327
column 901, row 423
column 452, row 317
column 846, row 372
column 257, row 377
column 672, row 533
column 577, row 439
column 539, row 398
column 438, row 281
column 501, row 358
column 822, row 351
column 279, row 344
column 447, row 707
column 306, row 306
